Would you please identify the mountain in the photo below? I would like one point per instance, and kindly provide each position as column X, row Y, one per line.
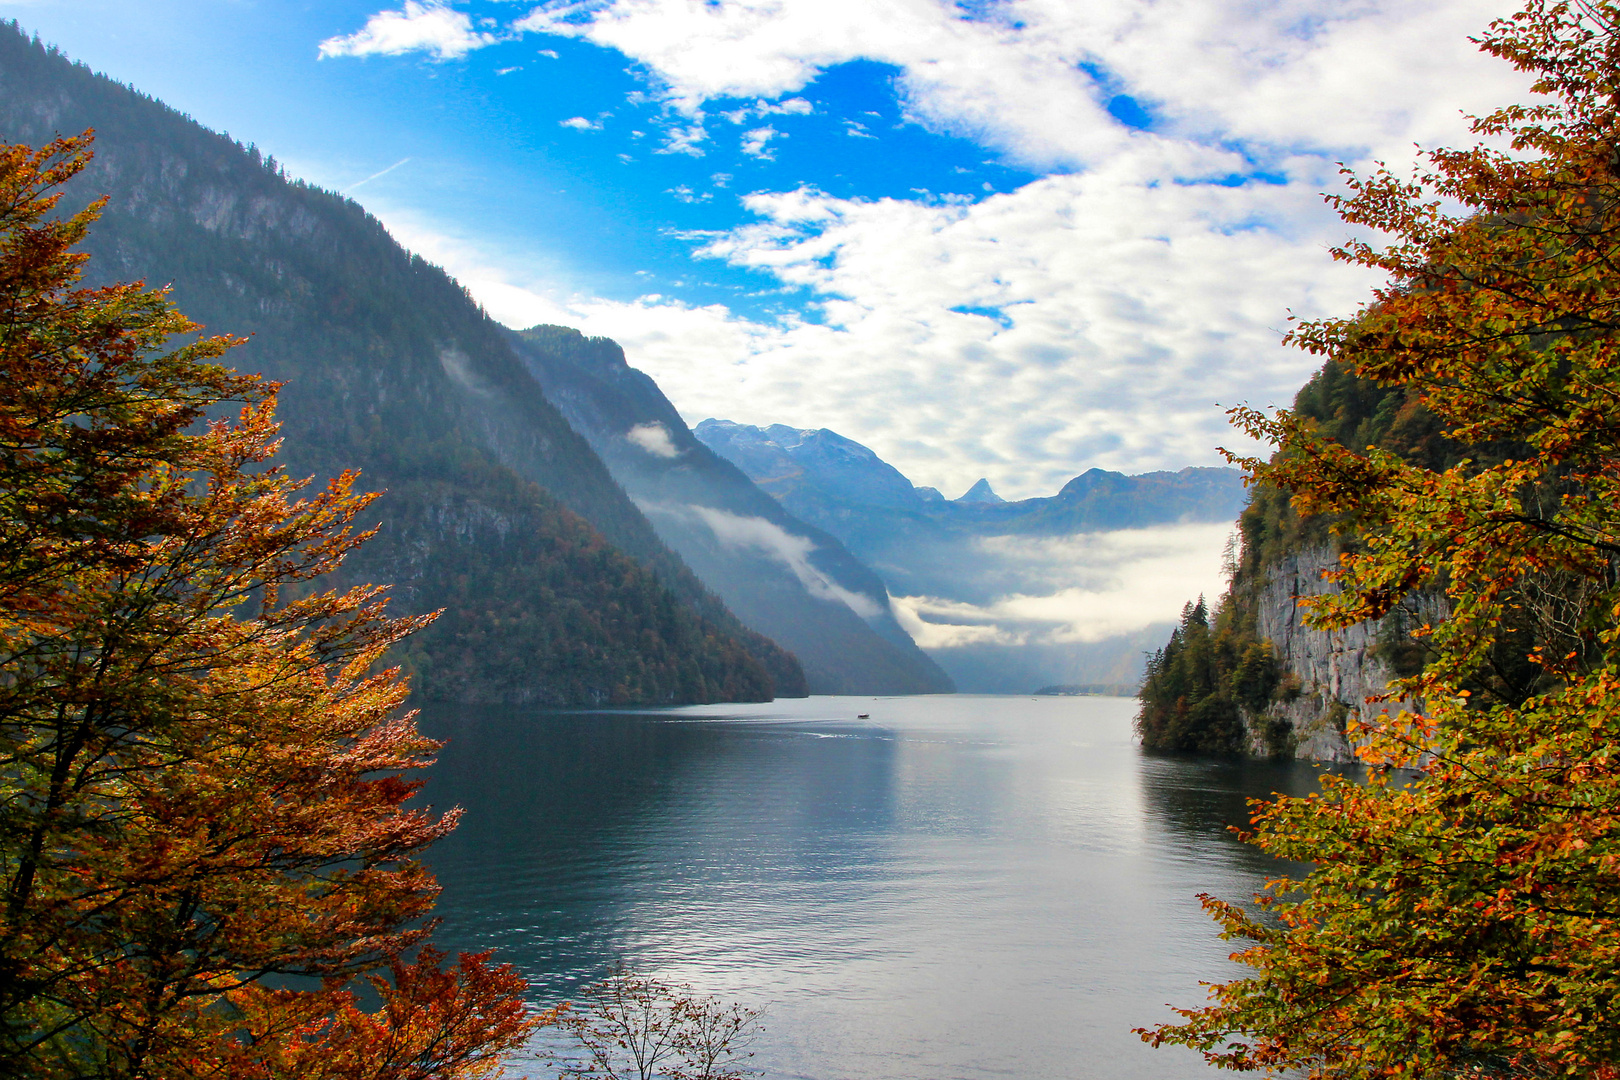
column 791, row 463
column 789, row 580
column 1006, row 596
column 557, row 589
column 907, row 533
column 1271, row 684
column 981, row 492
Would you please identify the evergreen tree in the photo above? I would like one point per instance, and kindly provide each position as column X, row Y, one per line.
column 1195, row 688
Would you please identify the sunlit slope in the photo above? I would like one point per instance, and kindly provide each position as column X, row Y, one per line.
column 391, row 368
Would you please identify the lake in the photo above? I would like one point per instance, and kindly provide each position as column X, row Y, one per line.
column 958, row 887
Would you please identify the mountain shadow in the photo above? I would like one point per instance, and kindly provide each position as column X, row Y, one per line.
column 791, row 581
column 557, row 590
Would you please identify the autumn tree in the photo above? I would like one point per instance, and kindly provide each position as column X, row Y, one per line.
column 1463, row 916
column 205, row 846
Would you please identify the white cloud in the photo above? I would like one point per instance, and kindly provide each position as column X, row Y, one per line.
column 754, row 142
column 654, row 438
column 684, row 140
column 1098, row 586
column 1084, row 339
column 734, row 530
column 429, row 27
column 1309, row 72
column 1116, row 350
column 579, row 123
column 686, row 195
column 1100, row 317
column 794, row 106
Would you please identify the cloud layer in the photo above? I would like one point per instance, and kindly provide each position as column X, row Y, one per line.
column 756, row 534
column 1098, row 316
column 1076, row 589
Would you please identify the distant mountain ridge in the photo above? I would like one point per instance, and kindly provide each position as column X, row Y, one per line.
column 797, row 465
column 789, row 580
column 976, row 576
column 844, row 488
column 556, row 589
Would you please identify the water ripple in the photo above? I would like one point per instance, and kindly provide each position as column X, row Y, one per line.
column 962, row 887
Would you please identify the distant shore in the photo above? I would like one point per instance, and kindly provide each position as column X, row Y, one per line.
column 1088, row 690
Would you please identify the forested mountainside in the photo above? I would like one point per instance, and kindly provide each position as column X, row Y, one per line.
column 1250, row 676
column 782, row 577
column 557, row 589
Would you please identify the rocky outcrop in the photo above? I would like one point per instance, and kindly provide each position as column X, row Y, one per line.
column 1328, row 675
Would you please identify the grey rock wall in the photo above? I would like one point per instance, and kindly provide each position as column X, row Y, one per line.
column 1337, row 670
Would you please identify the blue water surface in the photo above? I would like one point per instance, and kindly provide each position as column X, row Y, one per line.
column 957, row 887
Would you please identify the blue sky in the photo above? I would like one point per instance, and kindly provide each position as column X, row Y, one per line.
column 1012, row 239
column 545, row 149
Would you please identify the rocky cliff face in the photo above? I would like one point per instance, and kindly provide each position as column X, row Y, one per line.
column 1329, row 674
column 1256, row 679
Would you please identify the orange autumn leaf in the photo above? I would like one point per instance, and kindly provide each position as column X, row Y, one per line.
column 206, row 779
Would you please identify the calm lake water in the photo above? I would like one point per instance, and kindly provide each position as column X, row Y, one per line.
column 959, row 887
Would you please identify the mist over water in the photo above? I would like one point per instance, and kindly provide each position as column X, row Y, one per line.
column 958, row 886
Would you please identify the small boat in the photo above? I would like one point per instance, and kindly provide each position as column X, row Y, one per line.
column 863, row 716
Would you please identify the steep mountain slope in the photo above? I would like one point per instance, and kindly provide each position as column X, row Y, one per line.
column 1302, row 683
column 390, row 367
column 784, row 578
column 963, row 570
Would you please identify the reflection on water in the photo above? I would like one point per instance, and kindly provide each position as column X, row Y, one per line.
column 958, row 887
column 1189, row 798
